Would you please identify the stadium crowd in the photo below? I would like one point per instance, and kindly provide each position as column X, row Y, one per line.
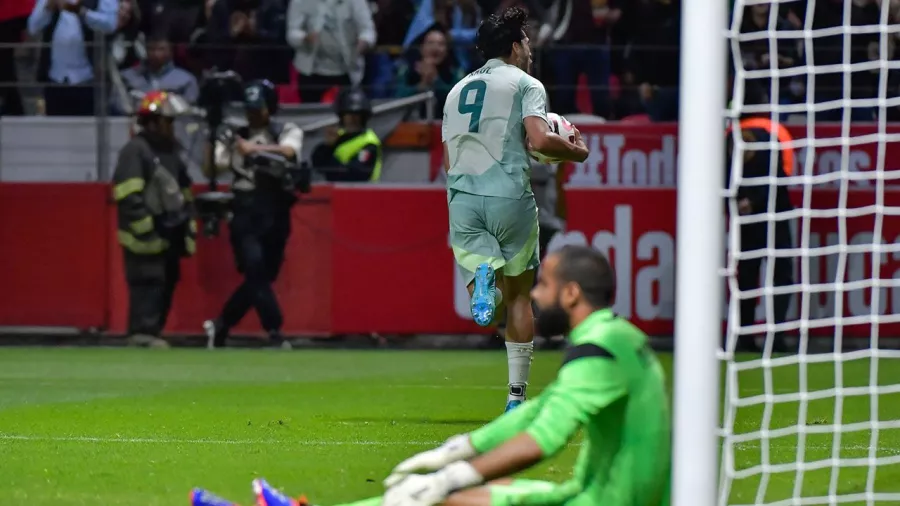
column 610, row 58
column 621, row 57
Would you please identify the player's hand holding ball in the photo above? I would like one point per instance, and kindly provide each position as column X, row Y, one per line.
column 455, row 449
column 561, row 127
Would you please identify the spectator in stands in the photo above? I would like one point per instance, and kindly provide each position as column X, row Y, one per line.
column 624, row 98
column 329, row 37
column 655, row 59
column 432, row 68
column 127, row 45
column 244, row 35
column 392, row 19
column 12, row 24
column 461, row 17
column 158, row 72
column 828, row 50
column 579, row 31
column 178, row 19
column 866, row 47
column 757, row 54
column 66, row 63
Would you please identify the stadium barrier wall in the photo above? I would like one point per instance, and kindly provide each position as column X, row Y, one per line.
column 376, row 259
column 54, row 254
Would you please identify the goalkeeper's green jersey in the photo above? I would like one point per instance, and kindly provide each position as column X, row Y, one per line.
column 612, row 386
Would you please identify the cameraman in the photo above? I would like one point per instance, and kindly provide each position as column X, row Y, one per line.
column 152, row 191
column 258, row 156
column 351, row 153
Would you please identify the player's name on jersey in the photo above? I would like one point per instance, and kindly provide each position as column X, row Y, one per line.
column 482, row 71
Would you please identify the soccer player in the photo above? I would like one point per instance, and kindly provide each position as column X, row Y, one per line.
column 610, row 386
column 488, row 118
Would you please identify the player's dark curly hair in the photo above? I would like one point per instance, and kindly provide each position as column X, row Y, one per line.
column 590, row 270
column 497, row 33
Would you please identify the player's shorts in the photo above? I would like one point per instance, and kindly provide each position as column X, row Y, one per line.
column 537, row 493
column 494, row 230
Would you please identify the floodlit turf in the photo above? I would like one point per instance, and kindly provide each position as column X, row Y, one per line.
column 141, row 427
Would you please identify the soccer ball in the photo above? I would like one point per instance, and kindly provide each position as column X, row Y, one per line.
column 560, row 126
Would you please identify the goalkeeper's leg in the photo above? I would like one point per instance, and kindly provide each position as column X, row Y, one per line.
column 504, row 493
column 498, row 493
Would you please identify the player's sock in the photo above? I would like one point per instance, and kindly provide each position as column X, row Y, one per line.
column 519, row 358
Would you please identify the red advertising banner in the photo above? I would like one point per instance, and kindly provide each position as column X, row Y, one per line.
column 636, row 229
column 53, row 259
column 641, row 155
column 393, row 271
column 645, row 155
column 376, row 259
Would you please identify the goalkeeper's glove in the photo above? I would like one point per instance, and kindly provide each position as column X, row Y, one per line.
column 432, row 489
column 456, row 448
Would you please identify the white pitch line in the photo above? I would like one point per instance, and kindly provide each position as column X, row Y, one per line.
column 87, row 439
column 449, row 387
column 90, row 439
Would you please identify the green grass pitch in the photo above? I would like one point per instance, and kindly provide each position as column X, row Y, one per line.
column 141, row 427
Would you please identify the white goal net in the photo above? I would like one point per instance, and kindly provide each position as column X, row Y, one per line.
column 813, row 270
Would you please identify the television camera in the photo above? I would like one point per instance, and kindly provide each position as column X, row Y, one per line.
column 218, row 89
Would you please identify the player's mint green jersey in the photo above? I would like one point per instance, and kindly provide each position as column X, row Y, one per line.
column 612, row 388
column 484, row 130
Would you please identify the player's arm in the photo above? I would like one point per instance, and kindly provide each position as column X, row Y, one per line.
column 537, row 127
column 589, row 380
column 465, row 446
column 444, row 138
column 548, row 143
column 507, row 426
column 446, row 158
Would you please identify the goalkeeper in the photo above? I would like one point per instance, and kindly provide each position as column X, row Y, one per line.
column 610, row 385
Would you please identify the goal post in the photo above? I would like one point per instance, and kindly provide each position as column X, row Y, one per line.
column 814, row 417
column 700, row 228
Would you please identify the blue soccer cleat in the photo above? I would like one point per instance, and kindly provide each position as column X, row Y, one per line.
column 200, row 497
column 267, row 495
column 484, row 296
column 512, row 404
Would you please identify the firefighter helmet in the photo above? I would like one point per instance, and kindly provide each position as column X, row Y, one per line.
column 162, row 103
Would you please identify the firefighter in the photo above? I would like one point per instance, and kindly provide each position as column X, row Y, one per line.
column 351, row 152
column 754, row 199
column 151, row 188
column 257, row 156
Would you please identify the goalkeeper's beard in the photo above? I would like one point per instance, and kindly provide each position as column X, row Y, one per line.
column 552, row 320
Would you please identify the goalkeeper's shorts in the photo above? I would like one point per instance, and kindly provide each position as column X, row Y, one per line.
column 500, row 232
column 538, row 493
